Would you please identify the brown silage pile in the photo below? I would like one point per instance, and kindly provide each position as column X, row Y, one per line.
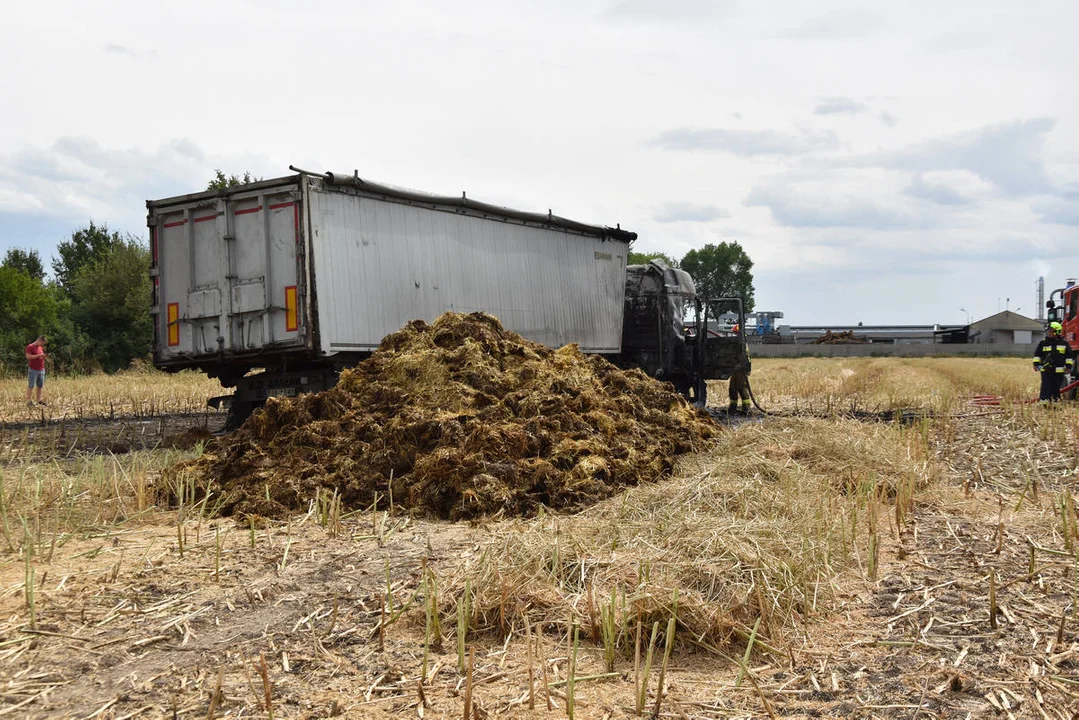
column 468, row 419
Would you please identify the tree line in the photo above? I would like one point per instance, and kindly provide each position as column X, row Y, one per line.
column 95, row 309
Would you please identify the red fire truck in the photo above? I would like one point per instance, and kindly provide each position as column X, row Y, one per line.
column 1063, row 307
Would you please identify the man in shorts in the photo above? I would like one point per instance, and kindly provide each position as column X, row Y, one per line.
column 35, row 360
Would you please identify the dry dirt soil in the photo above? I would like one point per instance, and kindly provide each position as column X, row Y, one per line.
column 214, row 618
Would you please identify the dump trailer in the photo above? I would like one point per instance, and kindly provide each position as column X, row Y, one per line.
column 274, row 287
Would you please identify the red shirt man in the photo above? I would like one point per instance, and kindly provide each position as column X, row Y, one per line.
column 35, row 360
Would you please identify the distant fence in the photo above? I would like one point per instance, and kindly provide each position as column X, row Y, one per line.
column 890, row 350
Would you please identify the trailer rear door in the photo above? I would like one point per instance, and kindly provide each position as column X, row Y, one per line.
column 228, row 279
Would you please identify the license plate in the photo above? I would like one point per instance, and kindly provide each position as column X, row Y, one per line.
column 281, row 392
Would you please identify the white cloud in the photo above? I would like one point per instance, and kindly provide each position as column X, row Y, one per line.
column 839, row 106
column 78, row 179
column 836, row 200
column 1010, row 155
column 939, row 193
column 13, row 200
column 119, row 50
column 838, row 24
column 746, row 142
column 887, row 118
column 689, row 212
column 1058, row 210
column 677, row 10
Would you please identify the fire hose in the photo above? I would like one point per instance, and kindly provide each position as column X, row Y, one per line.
column 996, row 399
column 757, row 405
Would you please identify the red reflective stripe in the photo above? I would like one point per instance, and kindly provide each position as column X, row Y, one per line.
column 178, row 223
column 249, row 210
column 205, row 218
column 278, row 206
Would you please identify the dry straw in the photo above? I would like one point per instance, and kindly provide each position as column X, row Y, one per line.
column 755, row 529
column 938, row 384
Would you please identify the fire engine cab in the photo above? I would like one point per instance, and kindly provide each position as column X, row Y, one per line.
column 1066, row 311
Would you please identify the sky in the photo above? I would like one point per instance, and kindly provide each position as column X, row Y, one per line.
column 885, row 163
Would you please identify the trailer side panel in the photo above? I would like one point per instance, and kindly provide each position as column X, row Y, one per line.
column 379, row 263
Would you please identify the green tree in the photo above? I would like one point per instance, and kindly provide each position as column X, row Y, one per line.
column 27, row 309
column 86, row 245
column 29, row 261
column 69, row 347
column 636, row 258
column 111, row 305
column 722, row 270
column 222, row 181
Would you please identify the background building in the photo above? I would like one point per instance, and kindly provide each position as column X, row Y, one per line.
column 1007, row 328
column 1006, row 333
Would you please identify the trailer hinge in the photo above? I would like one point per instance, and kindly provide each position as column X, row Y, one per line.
column 228, row 238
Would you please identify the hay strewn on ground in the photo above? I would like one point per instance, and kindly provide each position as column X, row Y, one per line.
column 469, row 420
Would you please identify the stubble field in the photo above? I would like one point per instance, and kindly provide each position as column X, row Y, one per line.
column 890, row 542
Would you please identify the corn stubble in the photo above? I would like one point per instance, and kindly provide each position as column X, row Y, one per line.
column 734, row 556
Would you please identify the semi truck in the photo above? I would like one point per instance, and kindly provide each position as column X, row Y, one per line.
column 274, row 287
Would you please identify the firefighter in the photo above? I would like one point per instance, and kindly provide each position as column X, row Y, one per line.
column 1053, row 358
column 738, row 388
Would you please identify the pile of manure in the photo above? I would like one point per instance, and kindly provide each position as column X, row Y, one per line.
column 466, row 420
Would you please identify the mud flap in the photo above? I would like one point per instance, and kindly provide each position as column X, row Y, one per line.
column 239, row 411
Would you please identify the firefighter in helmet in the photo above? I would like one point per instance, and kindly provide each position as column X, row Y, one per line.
column 1053, row 358
column 738, row 388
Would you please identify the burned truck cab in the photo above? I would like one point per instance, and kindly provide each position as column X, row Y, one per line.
column 654, row 334
column 669, row 333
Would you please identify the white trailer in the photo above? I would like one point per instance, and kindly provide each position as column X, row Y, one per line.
column 305, row 274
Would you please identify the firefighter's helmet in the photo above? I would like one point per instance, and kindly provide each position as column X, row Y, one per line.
column 1056, row 327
